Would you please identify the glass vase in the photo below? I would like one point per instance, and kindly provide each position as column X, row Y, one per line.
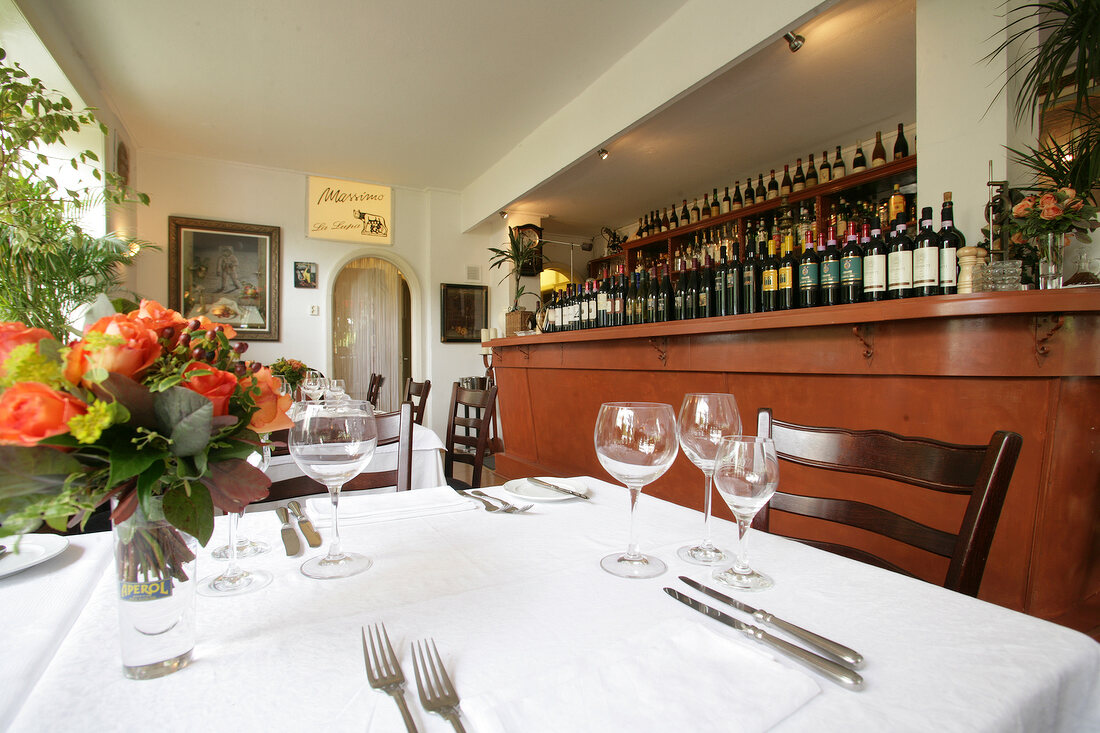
column 1050, row 248
column 155, row 565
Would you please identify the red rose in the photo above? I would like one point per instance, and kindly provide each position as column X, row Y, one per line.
column 31, row 411
column 1051, row 212
column 273, row 405
column 13, row 334
column 131, row 357
column 217, row 387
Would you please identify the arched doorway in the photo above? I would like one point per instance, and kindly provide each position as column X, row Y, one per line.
column 372, row 328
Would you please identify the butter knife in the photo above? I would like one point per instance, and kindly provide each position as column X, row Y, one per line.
column 290, row 538
column 850, row 657
column 304, row 524
column 838, row 673
column 559, row 489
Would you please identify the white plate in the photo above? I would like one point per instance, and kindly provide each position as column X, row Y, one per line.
column 523, row 488
column 33, row 549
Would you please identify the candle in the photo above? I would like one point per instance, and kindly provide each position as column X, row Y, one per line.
column 485, row 335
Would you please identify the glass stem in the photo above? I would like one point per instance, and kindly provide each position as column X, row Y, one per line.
column 232, row 571
column 742, row 564
column 334, row 544
column 632, row 551
column 708, row 477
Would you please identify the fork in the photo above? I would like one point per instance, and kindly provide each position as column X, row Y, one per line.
column 506, row 506
column 384, row 671
column 437, row 694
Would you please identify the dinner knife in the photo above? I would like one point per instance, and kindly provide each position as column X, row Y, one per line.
column 290, row 538
column 305, row 524
column 843, row 676
column 848, row 656
column 559, row 489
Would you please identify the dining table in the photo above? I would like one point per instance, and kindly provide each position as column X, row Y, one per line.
column 536, row 636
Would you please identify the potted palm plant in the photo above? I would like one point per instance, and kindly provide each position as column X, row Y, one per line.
column 520, row 252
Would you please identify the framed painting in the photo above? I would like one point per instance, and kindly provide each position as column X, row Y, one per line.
column 305, row 274
column 464, row 311
column 226, row 271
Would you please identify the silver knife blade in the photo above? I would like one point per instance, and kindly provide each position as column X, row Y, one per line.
column 304, row 524
column 848, row 656
column 838, row 673
column 290, row 538
column 559, row 489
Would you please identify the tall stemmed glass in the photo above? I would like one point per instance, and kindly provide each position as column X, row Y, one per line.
column 332, row 442
column 746, row 473
column 313, row 385
column 636, row 443
column 235, row 580
column 704, row 420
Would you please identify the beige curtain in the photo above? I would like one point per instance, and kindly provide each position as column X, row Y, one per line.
column 366, row 316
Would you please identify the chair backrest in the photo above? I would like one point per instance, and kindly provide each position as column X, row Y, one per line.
column 468, row 434
column 981, row 471
column 417, row 394
column 374, row 388
column 393, row 427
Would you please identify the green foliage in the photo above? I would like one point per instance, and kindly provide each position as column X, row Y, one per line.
column 517, row 255
column 1076, row 164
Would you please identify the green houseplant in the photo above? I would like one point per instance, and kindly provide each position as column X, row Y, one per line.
column 521, row 251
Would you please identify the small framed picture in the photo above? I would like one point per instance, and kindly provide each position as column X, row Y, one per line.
column 305, row 274
column 464, row 311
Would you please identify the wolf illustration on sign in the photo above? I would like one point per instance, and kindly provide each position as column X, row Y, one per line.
column 373, row 224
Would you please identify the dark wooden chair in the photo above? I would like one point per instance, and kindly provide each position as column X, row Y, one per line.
column 981, row 471
column 393, row 427
column 419, row 391
column 468, row 437
column 374, row 388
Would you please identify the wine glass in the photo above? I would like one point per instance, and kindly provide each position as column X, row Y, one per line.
column 636, row 443
column 746, row 472
column 336, row 389
column 234, row 580
column 332, row 442
column 313, row 385
column 704, row 420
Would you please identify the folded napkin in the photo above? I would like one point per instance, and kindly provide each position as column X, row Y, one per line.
column 369, row 508
column 676, row 676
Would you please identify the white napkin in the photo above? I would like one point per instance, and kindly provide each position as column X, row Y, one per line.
column 370, row 508
column 676, row 676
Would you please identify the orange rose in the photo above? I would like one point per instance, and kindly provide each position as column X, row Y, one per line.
column 1018, row 238
column 272, row 405
column 1051, row 212
column 136, row 352
column 1077, row 204
column 30, row 411
column 13, row 334
column 207, row 325
column 1047, row 200
column 1022, row 209
column 157, row 317
column 1066, row 193
column 217, row 387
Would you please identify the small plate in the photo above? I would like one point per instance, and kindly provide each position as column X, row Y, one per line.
column 33, row 549
column 523, row 488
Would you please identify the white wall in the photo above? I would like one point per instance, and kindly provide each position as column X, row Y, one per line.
column 428, row 249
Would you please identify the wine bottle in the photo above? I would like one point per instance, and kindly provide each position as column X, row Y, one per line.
column 641, row 229
column 901, row 145
column 685, row 215
column 691, row 292
column 773, row 187
column 811, row 173
column 761, row 192
column 897, row 204
column 851, row 267
column 825, row 172
column 878, row 155
column 736, row 203
column 798, row 183
column 594, row 304
column 787, row 283
column 721, row 284
column 704, row 212
column 551, row 307
column 665, row 223
column 673, row 218
column 750, row 195
column 809, row 274
column 652, row 295
column 734, row 281
column 750, row 279
column 899, row 263
column 727, row 203
column 707, row 287
column 665, row 297
column 614, row 299
column 859, row 162
column 680, row 301
column 715, row 207
column 838, row 165
column 786, row 184
column 951, row 241
column 601, row 302
column 695, row 211
column 926, row 257
column 830, row 271
column 640, row 297
column 874, row 264
column 769, row 279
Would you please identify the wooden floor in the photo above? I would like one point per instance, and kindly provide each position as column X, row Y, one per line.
column 489, row 477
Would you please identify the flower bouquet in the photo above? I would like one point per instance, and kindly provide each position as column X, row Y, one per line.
column 290, row 371
column 1041, row 225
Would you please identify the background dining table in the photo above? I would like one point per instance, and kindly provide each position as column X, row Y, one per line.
column 537, row 637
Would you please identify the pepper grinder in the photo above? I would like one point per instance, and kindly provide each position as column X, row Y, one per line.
column 969, row 259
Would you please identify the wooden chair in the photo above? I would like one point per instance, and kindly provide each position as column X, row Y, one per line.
column 470, row 445
column 393, row 427
column 374, row 388
column 981, row 471
column 420, row 391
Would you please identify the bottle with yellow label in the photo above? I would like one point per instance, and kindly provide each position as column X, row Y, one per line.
column 769, row 278
column 788, row 273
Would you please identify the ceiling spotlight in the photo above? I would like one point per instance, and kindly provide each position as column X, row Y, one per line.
column 794, row 40
column 504, row 215
column 602, row 153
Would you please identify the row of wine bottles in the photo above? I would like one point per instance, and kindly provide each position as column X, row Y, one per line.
column 867, row 266
column 662, row 221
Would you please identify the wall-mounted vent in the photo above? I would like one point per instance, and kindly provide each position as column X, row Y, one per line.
column 473, row 274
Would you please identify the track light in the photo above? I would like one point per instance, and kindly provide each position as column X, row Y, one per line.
column 794, row 41
column 504, row 215
column 602, row 153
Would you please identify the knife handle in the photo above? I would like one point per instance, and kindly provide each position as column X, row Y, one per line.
column 849, row 657
column 838, row 673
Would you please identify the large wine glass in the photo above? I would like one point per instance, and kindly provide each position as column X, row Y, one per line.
column 313, row 385
column 332, row 442
column 635, row 443
column 746, row 473
column 704, row 420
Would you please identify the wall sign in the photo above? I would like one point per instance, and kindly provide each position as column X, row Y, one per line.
column 349, row 211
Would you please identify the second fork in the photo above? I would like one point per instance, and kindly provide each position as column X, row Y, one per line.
column 506, row 507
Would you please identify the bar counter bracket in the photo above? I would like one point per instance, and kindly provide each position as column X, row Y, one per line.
column 865, row 334
column 660, row 345
column 1045, row 328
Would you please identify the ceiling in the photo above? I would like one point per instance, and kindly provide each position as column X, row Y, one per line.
column 429, row 94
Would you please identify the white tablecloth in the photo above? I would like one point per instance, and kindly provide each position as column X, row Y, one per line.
column 516, row 603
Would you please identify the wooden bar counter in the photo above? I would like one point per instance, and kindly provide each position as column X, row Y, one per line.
column 953, row 367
